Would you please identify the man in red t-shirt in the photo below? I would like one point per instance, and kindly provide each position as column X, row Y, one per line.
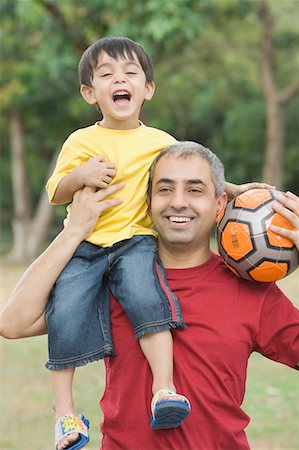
column 227, row 319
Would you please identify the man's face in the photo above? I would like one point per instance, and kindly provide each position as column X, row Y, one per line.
column 183, row 204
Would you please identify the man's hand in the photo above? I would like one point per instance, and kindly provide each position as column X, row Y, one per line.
column 288, row 207
column 87, row 207
column 96, row 172
column 232, row 190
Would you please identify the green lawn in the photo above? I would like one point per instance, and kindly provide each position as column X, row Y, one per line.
column 26, row 417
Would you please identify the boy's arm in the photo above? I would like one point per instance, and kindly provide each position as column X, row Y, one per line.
column 23, row 314
column 232, row 190
column 96, row 172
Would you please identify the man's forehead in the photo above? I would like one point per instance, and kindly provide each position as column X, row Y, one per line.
column 188, row 168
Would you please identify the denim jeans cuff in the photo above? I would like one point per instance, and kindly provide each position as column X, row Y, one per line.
column 62, row 365
column 156, row 328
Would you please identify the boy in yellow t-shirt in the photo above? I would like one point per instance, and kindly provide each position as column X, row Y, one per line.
column 116, row 74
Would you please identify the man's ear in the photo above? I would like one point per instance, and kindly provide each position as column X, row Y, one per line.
column 87, row 93
column 150, row 89
column 221, row 204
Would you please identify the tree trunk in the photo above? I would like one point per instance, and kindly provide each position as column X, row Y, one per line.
column 28, row 234
column 275, row 102
column 41, row 221
column 21, row 217
column 275, row 142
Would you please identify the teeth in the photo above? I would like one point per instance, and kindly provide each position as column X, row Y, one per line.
column 121, row 93
column 179, row 219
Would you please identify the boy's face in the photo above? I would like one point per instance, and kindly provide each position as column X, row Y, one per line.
column 119, row 88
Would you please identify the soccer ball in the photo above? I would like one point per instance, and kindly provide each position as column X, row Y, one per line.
column 246, row 244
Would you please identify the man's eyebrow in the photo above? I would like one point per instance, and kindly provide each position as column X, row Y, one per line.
column 195, row 181
column 165, row 180
column 189, row 181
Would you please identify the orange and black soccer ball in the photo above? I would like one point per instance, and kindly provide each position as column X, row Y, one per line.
column 246, row 244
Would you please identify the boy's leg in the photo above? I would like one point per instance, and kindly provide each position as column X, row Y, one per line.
column 62, row 384
column 63, row 403
column 158, row 350
column 77, row 333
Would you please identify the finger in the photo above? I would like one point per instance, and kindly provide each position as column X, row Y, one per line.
column 111, row 189
column 110, row 165
column 85, row 190
column 111, row 203
column 100, row 158
column 104, row 182
column 287, row 213
column 289, row 201
column 107, row 179
column 284, row 232
column 292, row 202
column 292, row 195
column 257, row 185
column 111, row 172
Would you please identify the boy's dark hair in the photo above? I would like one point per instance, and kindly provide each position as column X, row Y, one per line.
column 115, row 46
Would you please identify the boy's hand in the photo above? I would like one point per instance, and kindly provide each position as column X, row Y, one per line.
column 96, row 172
column 288, row 206
column 232, row 190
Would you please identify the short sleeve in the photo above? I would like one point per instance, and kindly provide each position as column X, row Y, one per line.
column 67, row 160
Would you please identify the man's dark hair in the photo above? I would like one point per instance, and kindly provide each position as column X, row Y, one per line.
column 116, row 47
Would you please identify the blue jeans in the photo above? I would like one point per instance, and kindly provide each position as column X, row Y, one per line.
column 78, row 314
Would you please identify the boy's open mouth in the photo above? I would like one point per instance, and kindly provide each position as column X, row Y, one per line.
column 120, row 96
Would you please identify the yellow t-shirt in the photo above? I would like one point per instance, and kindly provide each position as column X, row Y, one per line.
column 133, row 152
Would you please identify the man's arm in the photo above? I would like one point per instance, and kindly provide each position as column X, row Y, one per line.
column 288, row 207
column 232, row 190
column 23, row 314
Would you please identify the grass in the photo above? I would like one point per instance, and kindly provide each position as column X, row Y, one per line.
column 26, row 417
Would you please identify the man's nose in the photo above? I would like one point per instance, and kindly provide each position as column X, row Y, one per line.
column 179, row 200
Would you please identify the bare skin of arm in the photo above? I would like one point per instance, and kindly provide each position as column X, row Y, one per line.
column 232, row 190
column 23, row 315
column 288, row 207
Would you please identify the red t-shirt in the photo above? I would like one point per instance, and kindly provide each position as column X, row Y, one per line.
column 227, row 319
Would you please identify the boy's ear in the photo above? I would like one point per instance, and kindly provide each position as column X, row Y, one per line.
column 150, row 89
column 88, row 94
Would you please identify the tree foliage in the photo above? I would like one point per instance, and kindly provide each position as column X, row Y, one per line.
column 207, row 57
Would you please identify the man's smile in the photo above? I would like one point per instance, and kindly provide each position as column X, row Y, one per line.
column 179, row 219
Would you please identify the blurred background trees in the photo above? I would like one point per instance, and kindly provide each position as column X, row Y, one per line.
column 226, row 73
